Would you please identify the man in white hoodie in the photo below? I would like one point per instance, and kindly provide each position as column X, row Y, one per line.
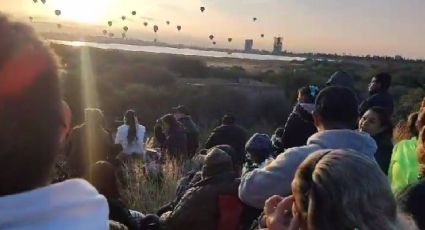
column 335, row 117
column 31, row 128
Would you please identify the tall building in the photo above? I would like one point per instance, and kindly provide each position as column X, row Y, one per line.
column 278, row 45
column 249, row 43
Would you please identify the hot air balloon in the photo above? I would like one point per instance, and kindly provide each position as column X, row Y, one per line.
column 262, row 35
column 31, row 18
column 211, row 37
column 110, row 23
column 214, row 43
column 111, row 35
column 230, row 39
column 59, row 26
column 123, row 35
column 254, row 19
column 179, row 28
column 202, row 9
column 43, row 1
column 35, row 1
column 58, row 12
column 168, row 22
column 105, row 32
column 133, row 12
column 125, row 28
column 123, row 18
column 155, row 28
column 145, row 23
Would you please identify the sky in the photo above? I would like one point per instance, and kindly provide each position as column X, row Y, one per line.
column 359, row 27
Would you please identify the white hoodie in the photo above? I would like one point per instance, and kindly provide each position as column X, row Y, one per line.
column 73, row 204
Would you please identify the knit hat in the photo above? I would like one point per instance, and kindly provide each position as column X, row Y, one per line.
column 216, row 162
column 259, row 144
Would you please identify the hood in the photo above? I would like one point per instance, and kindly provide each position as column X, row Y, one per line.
column 341, row 78
column 345, row 139
column 72, row 204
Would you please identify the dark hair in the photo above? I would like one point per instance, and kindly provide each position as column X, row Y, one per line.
column 384, row 119
column 337, row 106
column 181, row 109
column 411, row 123
column 103, row 178
column 130, row 120
column 171, row 121
column 30, row 108
column 384, row 79
column 94, row 117
column 309, row 92
column 411, row 201
column 228, row 120
column 237, row 159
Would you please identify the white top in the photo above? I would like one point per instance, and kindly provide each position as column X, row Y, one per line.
column 137, row 146
column 69, row 205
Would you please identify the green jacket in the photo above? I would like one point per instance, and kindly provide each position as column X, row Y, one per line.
column 404, row 166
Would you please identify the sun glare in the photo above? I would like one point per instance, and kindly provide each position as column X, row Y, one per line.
column 83, row 11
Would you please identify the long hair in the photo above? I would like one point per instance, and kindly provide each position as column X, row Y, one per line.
column 339, row 189
column 104, row 179
column 384, row 119
column 171, row 123
column 130, row 119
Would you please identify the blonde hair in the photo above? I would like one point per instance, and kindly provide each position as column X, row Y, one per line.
column 340, row 189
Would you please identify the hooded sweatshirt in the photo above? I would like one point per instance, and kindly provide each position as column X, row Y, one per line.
column 72, row 204
column 276, row 178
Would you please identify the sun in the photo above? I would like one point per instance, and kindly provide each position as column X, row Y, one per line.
column 83, row 11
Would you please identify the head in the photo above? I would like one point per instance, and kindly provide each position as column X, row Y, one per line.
column 180, row 111
column 169, row 122
column 216, row 162
column 410, row 203
column 375, row 121
column 339, row 189
column 31, row 112
column 237, row 161
column 336, row 108
column 401, row 132
column 130, row 119
column 94, row 117
column 228, row 120
column 341, row 79
column 103, row 178
column 380, row 82
column 259, row 147
column 307, row 94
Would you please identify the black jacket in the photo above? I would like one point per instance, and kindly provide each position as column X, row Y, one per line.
column 384, row 152
column 382, row 99
column 232, row 135
column 192, row 134
column 298, row 128
column 120, row 213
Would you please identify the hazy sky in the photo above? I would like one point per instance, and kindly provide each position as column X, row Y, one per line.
column 385, row 27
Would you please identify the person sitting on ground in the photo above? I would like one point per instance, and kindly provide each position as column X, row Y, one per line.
column 228, row 133
column 335, row 189
column 377, row 122
column 404, row 165
column 411, row 205
column 378, row 94
column 191, row 129
column 31, row 128
column 131, row 135
column 88, row 143
column 199, row 207
column 175, row 138
column 335, row 117
column 259, row 152
column 300, row 125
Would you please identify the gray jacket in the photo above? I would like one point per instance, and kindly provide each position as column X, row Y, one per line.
column 276, row 178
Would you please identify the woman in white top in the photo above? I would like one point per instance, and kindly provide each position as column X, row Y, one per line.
column 131, row 135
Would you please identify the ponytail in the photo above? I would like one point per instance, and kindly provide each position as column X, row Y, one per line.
column 130, row 119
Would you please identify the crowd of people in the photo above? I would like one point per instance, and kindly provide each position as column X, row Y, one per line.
column 335, row 164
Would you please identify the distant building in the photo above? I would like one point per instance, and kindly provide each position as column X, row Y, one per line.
column 249, row 43
column 278, row 45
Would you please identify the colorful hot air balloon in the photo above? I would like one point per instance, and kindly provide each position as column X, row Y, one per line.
column 35, row 1
column 133, row 12
column 168, row 22
column 179, row 28
column 202, row 9
column 125, row 28
column 43, row 1
column 155, row 28
column 230, row 39
column 58, row 12
column 105, row 32
column 254, row 19
column 262, row 35
column 211, row 37
column 145, row 24
column 110, row 23
column 123, row 18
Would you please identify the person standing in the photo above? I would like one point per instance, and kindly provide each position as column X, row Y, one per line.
column 191, row 129
column 378, row 94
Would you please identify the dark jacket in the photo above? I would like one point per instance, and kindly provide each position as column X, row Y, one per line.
column 80, row 155
column 119, row 212
column 384, row 152
column 299, row 126
column 232, row 135
column 198, row 209
column 192, row 134
column 382, row 99
column 176, row 143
